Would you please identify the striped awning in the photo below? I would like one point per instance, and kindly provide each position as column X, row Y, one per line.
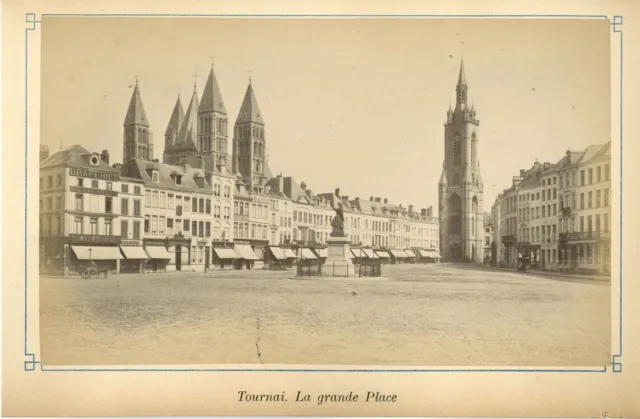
column 370, row 254
column 97, row 252
column 410, row 253
column 288, row 253
column 225, row 253
column 157, row 252
column 245, row 252
column 398, row 253
column 382, row 254
column 134, row 252
column 307, row 254
column 322, row 253
column 277, row 253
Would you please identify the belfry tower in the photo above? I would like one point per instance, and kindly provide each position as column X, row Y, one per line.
column 460, row 187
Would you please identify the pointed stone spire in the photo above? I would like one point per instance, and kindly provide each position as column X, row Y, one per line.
column 136, row 114
column 212, row 98
column 249, row 111
column 177, row 116
column 188, row 130
column 462, row 78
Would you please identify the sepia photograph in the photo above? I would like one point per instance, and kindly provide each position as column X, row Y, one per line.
column 382, row 192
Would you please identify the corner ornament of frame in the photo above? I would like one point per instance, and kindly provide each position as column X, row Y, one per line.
column 615, row 22
column 30, row 363
column 30, row 18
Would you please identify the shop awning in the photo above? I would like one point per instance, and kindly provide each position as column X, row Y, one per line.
column 288, row 253
column 424, row 253
column 370, row 253
column 323, row 253
column 245, row 252
column 97, row 252
column 277, row 253
column 382, row 254
column 308, row 254
column 398, row 253
column 157, row 252
column 357, row 253
column 134, row 252
column 435, row 255
column 225, row 253
column 410, row 253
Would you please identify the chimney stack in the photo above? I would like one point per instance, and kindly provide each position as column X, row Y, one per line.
column 410, row 208
column 104, row 156
column 208, row 176
column 386, row 201
column 522, row 172
column 280, row 183
column 44, row 152
column 371, row 198
column 430, row 212
column 377, row 199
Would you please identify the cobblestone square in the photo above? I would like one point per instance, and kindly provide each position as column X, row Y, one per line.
column 418, row 316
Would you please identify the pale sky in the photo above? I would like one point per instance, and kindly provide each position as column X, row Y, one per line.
column 352, row 103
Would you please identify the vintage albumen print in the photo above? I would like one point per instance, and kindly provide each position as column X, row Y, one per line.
column 319, row 215
column 328, row 198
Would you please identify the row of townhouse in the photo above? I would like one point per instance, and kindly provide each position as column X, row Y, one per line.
column 146, row 214
column 559, row 214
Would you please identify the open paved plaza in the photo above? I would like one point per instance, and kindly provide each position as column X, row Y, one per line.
column 417, row 316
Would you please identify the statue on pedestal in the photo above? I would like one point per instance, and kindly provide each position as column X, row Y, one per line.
column 338, row 221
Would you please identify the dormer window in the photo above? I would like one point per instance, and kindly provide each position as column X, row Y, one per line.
column 154, row 175
column 178, row 180
column 94, row 159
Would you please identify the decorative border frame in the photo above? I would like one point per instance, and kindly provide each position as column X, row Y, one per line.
column 31, row 359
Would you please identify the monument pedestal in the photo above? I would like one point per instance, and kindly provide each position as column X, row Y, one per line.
column 338, row 262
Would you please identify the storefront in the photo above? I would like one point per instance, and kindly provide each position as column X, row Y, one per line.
column 134, row 256
column 276, row 258
column 398, row 256
column 245, row 256
column 101, row 251
column 384, row 256
column 223, row 257
column 158, row 256
column 411, row 256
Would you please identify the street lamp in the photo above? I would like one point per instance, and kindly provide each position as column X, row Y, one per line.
column 90, row 250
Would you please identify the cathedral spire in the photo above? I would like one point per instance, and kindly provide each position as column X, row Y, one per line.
column 188, row 130
column 462, row 78
column 177, row 116
column 249, row 111
column 136, row 114
column 461, row 87
column 212, row 97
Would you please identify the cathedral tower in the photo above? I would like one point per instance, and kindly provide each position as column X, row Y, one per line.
column 249, row 151
column 460, row 187
column 137, row 137
column 212, row 124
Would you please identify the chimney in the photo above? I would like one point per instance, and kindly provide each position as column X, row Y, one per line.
column 208, row 176
column 423, row 212
column 371, row 198
column 377, row 200
column 44, row 152
column 357, row 199
column 104, row 156
column 303, row 186
column 280, row 183
column 430, row 212
column 410, row 208
column 522, row 172
column 386, row 201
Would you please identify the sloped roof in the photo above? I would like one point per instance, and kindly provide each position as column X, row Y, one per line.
column 135, row 113
column 141, row 169
column 249, row 110
column 189, row 129
column 74, row 156
column 175, row 121
column 590, row 152
column 212, row 97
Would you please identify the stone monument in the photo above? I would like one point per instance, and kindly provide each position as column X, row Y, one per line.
column 338, row 262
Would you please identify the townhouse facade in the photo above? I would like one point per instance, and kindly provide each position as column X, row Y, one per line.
column 559, row 214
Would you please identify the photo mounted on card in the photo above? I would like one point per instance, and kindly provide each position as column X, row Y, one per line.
column 321, row 214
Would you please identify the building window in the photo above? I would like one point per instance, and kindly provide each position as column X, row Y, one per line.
column 147, row 198
column 50, row 182
column 606, row 172
column 155, row 176
column 193, row 254
column 161, row 225
column 598, row 198
column 227, row 191
column 136, row 207
column 161, row 201
column 136, row 229
column 457, row 152
column 186, row 225
column 108, row 204
column 581, row 177
column 227, row 213
column 154, row 199
column 208, row 208
column 93, row 226
column 170, row 201
column 154, row 224
column 187, row 203
column 194, row 228
column 582, row 201
column 605, row 222
column 125, row 188
column 79, row 200
column 124, row 206
column 136, row 190
column 49, row 203
column 217, row 211
column 124, row 228
column 59, row 180
column 80, row 182
column 598, row 174
column 77, row 225
column 590, row 176
column 109, row 186
column 94, row 184
column 606, row 197
column 208, row 229
column 590, row 196
column 194, row 204
column 147, row 218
